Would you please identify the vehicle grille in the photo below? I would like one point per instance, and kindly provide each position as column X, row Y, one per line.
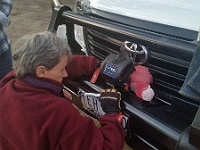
column 167, row 63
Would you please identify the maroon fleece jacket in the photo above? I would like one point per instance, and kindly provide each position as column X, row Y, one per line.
column 81, row 65
column 35, row 117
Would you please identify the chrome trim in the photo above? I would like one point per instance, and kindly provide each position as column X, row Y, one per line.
column 134, row 51
column 95, row 87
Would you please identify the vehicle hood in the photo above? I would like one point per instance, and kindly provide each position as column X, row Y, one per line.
column 180, row 13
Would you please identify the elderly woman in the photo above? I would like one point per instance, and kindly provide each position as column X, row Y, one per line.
column 33, row 113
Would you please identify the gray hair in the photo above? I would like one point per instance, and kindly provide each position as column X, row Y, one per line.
column 40, row 49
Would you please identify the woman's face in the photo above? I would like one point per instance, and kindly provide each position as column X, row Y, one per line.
column 58, row 72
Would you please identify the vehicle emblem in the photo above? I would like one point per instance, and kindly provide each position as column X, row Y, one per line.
column 137, row 53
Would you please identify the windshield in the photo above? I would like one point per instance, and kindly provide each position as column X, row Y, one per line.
column 179, row 13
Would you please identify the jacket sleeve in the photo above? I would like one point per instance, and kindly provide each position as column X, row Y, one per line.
column 5, row 10
column 85, row 135
column 81, row 65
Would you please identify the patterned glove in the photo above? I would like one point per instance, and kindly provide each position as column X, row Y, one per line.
column 110, row 101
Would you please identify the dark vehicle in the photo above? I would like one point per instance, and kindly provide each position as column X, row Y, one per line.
column 162, row 36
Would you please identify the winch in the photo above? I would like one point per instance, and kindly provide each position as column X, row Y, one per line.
column 116, row 68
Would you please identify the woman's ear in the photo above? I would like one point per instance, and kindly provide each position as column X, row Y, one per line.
column 40, row 71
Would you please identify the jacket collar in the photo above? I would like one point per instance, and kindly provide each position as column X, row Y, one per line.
column 45, row 83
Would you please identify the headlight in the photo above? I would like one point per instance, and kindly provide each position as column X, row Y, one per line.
column 79, row 37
